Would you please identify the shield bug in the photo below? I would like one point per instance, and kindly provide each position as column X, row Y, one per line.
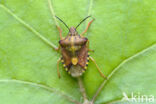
column 74, row 49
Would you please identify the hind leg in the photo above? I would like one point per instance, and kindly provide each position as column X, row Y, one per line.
column 97, row 67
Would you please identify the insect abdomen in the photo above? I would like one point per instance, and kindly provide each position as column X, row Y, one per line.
column 76, row 70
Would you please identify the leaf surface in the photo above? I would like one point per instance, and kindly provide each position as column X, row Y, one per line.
column 122, row 35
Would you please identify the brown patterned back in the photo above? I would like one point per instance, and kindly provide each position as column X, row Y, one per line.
column 66, row 57
column 82, row 56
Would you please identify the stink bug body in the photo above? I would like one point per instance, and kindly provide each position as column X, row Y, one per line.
column 74, row 53
column 74, row 50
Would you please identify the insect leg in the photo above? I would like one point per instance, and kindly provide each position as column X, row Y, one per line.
column 88, row 47
column 58, row 72
column 53, row 15
column 60, row 31
column 86, row 27
column 97, row 67
column 58, row 48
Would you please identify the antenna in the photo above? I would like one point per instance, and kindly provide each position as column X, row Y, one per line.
column 82, row 21
column 62, row 22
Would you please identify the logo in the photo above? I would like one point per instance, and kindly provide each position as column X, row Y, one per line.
column 138, row 98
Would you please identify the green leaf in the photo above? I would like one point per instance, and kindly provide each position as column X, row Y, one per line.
column 134, row 77
column 123, row 37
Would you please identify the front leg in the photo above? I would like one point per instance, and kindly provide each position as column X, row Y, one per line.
column 86, row 28
column 60, row 32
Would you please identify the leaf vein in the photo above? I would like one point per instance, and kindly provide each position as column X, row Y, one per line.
column 68, row 97
column 27, row 26
column 120, row 65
